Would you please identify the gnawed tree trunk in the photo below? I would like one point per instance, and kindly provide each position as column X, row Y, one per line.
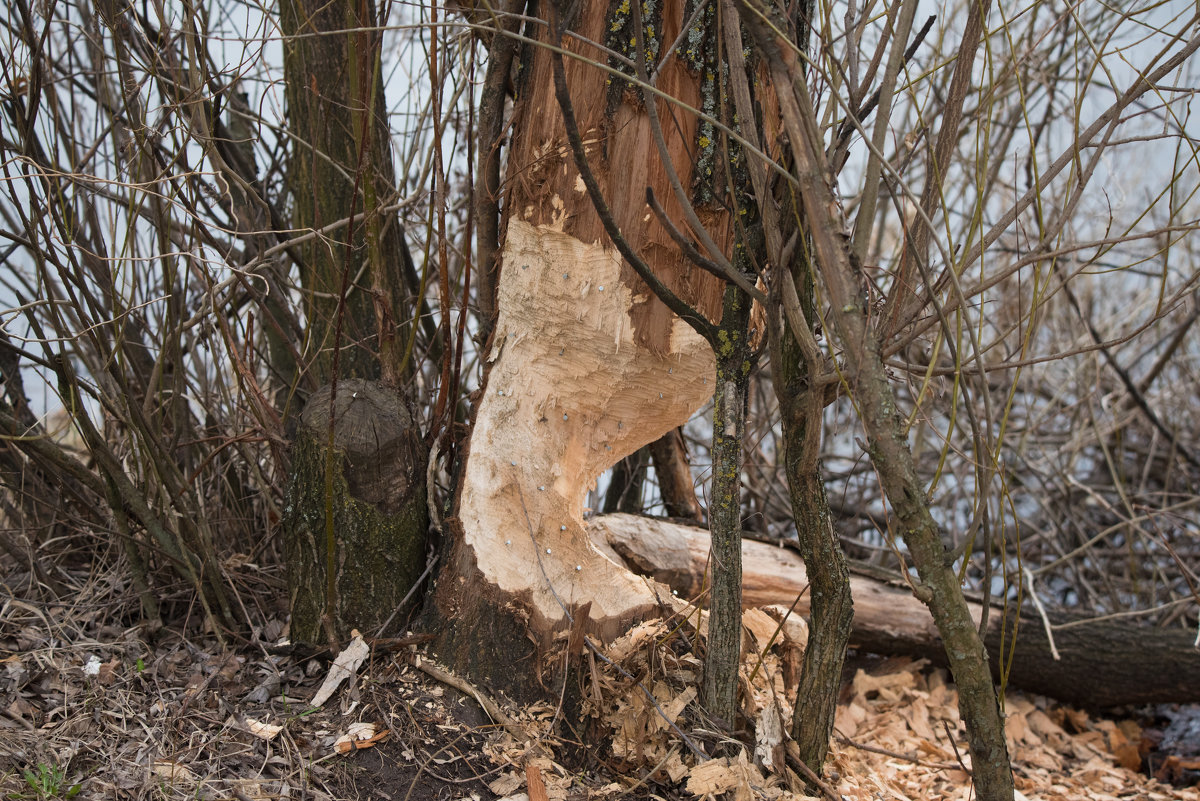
column 1101, row 664
column 354, row 530
column 586, row 366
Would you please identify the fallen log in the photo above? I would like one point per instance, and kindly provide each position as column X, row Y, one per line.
column 1099, row 664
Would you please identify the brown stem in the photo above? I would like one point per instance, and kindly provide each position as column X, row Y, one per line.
column 487, row 194
column 889, row 448
column 917, row 249
column 675, row 482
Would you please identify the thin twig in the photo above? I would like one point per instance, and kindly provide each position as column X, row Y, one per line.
column 697, row 258
column 874, row 749
column 794, row 761
column 462, row 685
column 1041, row 610
column 728, row 271
column 954, row 746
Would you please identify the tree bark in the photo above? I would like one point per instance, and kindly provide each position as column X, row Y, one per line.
column 723, row 649
column 341, row 164
column 1101, row 664
column 801, row 406
column 352, row 552
column 502, row 49
column 675, row 481
column 876, row 404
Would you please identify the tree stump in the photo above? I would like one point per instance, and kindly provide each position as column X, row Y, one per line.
column 371, row 487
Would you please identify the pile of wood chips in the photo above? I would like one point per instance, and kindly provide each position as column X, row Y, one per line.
column 898, row 733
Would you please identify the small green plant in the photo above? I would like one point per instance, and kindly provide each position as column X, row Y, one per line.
column 47, row 781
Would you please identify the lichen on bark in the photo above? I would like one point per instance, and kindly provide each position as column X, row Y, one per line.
column 620, row 37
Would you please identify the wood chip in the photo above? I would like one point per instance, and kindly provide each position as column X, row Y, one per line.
column 533, row 779
column 345, row 666
column 359, row 736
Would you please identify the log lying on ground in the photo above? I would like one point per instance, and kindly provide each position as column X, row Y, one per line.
column 1101, row 664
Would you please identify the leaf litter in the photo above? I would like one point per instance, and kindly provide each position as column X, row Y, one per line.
column 115, row 717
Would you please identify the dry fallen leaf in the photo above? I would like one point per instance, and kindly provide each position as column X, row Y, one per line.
column 266, row 731
column 173, row 772
column 507, row 784
column 345, row 666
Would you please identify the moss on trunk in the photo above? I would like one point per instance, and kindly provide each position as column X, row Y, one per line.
column 377, row 508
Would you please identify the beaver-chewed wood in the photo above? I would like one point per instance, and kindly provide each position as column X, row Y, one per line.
column 1099, row 664
column 585, row 365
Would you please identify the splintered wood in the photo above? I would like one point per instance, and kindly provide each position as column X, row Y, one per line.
column 899, row 733
column 570, row 391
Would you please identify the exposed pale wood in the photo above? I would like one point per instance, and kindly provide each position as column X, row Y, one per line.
column 570, row 392
column 545, row 188
column 677, row 555
column 1102, row 664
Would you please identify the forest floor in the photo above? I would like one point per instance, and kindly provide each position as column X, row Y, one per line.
column 109, row 716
